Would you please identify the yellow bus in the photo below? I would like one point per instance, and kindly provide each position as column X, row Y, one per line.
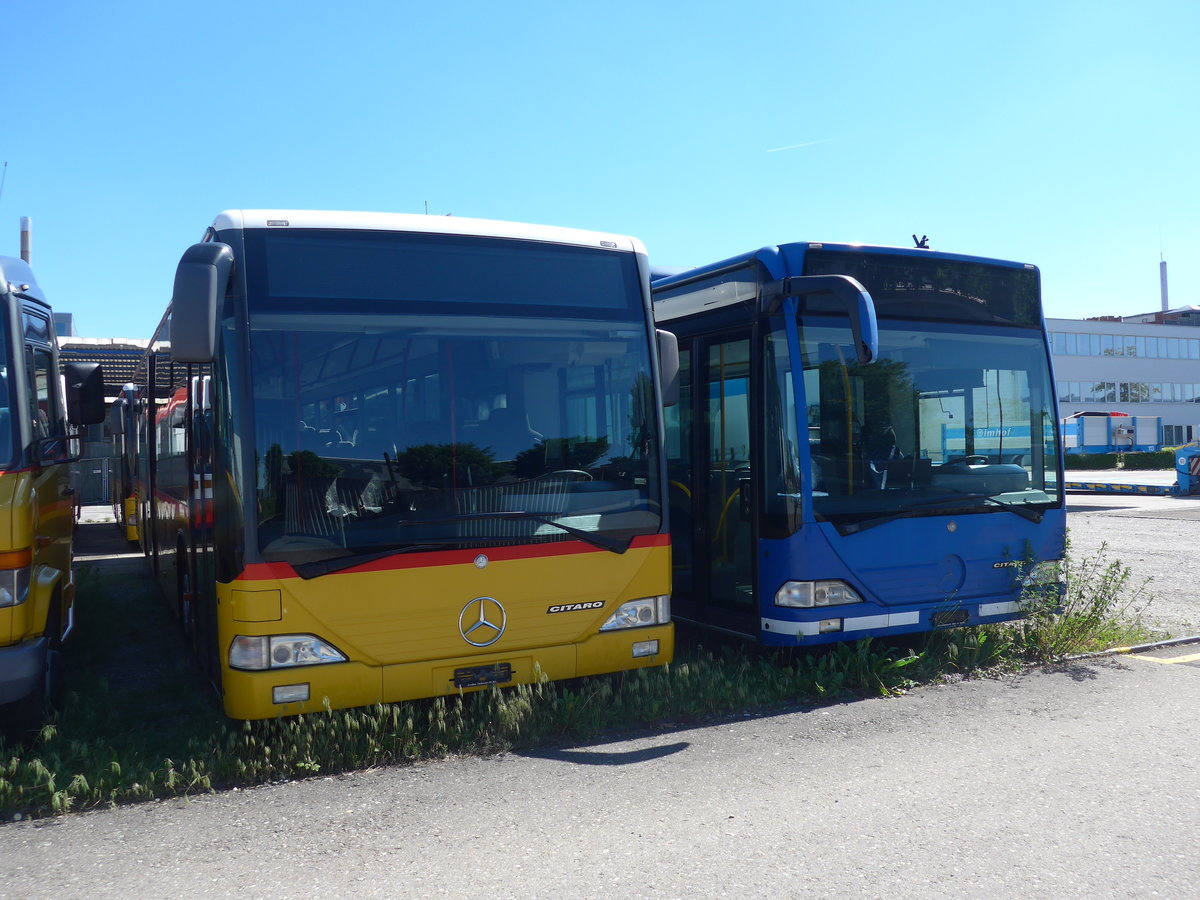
column 383, row 457
column 37, row 590
column 122, row 423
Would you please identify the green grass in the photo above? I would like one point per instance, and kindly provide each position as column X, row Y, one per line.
column 1104, row 608
column 139, row 723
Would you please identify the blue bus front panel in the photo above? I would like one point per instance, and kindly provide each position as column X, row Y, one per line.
column 913, row 574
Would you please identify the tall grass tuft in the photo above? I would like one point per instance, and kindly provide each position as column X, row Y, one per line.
column 1103, row 608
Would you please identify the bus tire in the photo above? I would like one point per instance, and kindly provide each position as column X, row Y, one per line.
column 186, row 606
column 24, row 718
column 54, row 685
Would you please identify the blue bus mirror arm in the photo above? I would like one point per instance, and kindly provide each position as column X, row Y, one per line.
column 854, row 298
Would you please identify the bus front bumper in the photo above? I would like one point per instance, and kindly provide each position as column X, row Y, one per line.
column 849, row 623
column 256, row 695
column 22, row 666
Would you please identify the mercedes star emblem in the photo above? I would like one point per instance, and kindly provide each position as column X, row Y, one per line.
column 482, row 621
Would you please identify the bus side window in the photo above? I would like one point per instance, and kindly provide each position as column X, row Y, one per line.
column 45, row 406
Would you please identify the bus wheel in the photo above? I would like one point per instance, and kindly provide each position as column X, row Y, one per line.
column 187, row 602
column 24, row 718
column 54, row 685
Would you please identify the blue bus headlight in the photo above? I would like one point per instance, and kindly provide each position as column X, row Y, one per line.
column 807, row 594
column 637, row 613
column 281, row 651
column 1044, row 574
column 1045, row 582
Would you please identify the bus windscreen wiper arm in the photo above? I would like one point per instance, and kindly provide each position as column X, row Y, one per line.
column 597, row 540
column 350, row 560
column 1033, row 515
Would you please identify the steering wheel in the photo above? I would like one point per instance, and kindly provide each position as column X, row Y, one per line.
column 576, row 474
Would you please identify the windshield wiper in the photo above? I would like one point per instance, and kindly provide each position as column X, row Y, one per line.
column 350, row 560
column 324, row 567
column 598, row 540
column 1033, row 515
column 1022, row 510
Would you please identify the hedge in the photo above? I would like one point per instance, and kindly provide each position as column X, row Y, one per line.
column 1161, row 459
column 1090, row 461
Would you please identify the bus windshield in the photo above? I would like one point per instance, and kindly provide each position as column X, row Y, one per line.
column 453, row 399
column 949, row 417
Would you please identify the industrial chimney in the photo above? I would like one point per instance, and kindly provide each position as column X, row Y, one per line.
column 1162, row 283
column 26, row 227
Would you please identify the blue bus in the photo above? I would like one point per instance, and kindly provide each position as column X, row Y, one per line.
column 866, row 442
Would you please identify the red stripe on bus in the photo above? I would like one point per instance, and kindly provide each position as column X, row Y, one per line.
column 274, row 571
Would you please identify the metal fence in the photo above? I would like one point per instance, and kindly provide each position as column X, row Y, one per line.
column 93, row 475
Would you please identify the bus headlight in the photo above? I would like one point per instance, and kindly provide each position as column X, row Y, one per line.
column 807, row 594
column 637, row 613
column 281, row 651
column 1044, row 574
column 1045, row 581
column 14, row 577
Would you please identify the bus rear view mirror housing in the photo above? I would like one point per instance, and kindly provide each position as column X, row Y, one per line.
column 116, row 416
column 200, row 280
column 85, row 393
column 854, row 298
column 668, row 366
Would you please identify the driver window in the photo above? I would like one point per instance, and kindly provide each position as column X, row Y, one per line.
column 45, row 405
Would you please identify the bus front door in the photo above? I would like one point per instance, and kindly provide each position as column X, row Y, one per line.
column 708, row 459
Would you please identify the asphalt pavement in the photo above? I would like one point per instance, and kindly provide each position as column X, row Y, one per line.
column 1074, row 782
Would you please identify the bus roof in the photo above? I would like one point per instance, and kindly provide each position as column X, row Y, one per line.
column 373, row 221
column 779, row 260
column 16, row 272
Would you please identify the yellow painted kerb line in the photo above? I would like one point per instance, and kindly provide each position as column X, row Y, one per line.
column 1191, row 657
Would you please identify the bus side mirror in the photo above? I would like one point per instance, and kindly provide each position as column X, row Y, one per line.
column 668, row 366
column 200, row 281
column 116, row 416
column 859, row 307
column 85, row 393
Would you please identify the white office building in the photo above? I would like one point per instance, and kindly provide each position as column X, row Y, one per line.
column 1143, row 365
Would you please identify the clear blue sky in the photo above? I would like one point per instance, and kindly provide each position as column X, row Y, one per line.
column 1059, row 133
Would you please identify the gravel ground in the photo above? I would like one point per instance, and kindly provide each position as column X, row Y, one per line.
column 1155, row 536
